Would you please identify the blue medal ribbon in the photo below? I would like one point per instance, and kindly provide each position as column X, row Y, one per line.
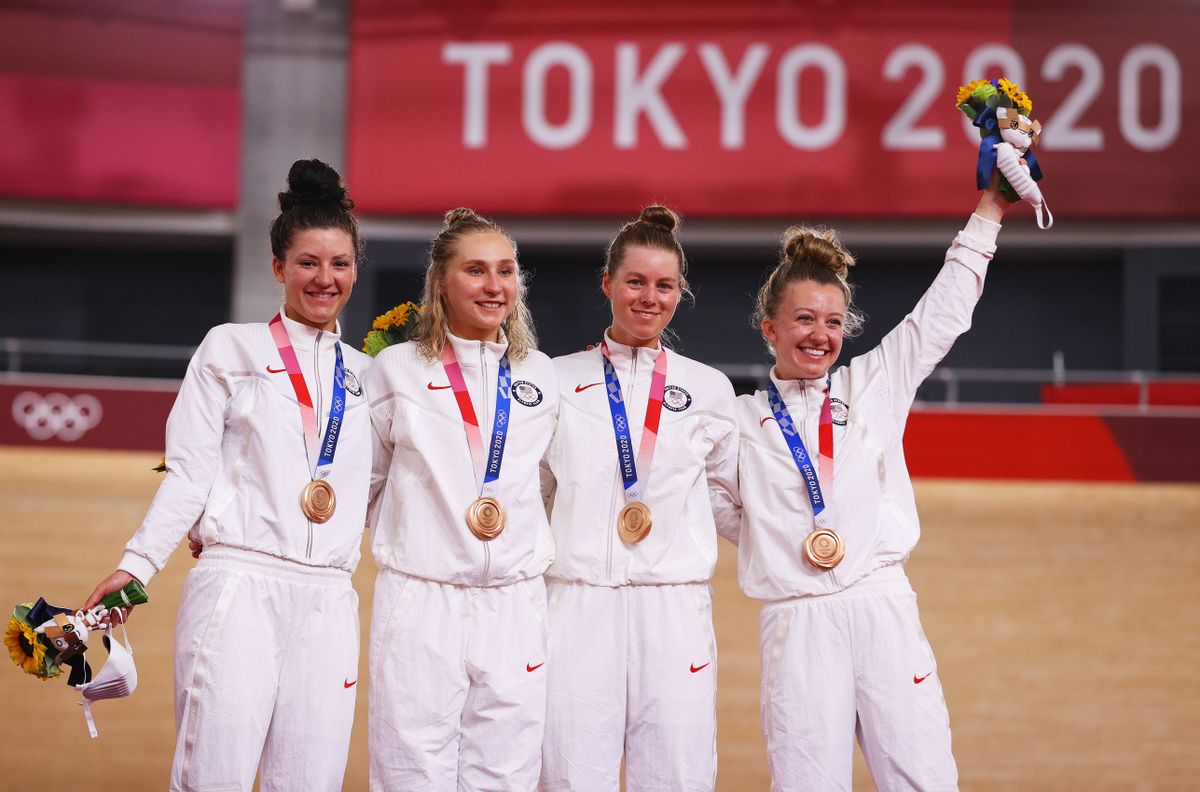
column 499, row 422
column 620, row 422
column 337, row 412
column 791, row 436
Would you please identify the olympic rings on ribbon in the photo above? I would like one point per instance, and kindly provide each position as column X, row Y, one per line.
column 56, row 415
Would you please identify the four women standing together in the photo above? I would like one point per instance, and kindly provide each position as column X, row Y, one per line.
column 607, row 473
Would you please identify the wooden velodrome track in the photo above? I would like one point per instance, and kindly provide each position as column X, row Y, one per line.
column 1065, row 619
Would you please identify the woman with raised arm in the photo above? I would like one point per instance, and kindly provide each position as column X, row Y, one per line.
column 464, row 411
column 829, row 518
column 268, row 461
column 640, row 477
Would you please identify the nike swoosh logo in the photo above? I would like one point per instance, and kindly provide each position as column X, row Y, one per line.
column 582, row 388
column 275, row 371
column 532, row 668
column 350, row 684
column 764, row 420
column 431, row 386
column 696, row 668
column 918, row 680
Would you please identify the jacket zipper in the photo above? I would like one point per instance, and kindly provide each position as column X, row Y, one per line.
column 320, row 393
column 483, row 379
column 620, row 488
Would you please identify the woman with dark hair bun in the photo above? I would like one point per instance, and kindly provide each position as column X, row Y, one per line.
column 464, row 410
column 640, row 477
column 268, row 459
column 829, row 518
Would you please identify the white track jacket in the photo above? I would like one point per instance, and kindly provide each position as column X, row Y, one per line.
column 692, row 489
column 419, row 518
column 871, row 498
column 236, row 458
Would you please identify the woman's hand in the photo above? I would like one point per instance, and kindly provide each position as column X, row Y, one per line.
column 993, row 205
column 114, row 582
column 195, row 547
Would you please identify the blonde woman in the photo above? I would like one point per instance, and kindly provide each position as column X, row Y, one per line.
column 464, row 411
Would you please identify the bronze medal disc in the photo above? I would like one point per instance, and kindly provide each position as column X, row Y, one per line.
column 318, row 501
column 485, row 518
column 634, row 521
column 824, row 548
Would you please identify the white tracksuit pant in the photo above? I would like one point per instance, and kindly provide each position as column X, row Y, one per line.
column 633, row 670
column 266, row 672
column 853, row 660
column 458, row 684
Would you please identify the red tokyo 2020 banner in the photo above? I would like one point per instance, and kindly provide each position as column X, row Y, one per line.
column 760, row 109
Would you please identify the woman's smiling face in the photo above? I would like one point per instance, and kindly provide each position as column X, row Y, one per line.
column 318, row 274
column 644, row 289
column 480, row 286
column 806, row 330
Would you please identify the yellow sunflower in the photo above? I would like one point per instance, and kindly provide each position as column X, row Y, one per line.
column 965, row 91
column 397, row 317
column 1013, row 92
column 27, row 652
column 389, row 328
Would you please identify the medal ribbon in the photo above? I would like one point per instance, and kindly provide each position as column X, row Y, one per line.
column 337, row 410
column 635, row 487
column 489, row 461
column 791, row 436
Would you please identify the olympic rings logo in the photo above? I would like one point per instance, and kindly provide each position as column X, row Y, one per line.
column 56, row 415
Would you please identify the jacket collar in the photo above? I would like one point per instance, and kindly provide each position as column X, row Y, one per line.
column 304, row 335
column 622, row 355
column 795, row 390
column 467, row 351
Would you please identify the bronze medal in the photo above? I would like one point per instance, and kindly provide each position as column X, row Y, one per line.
column 317, row 500
column 485, row 518
column 634, row 521
column 824, row 548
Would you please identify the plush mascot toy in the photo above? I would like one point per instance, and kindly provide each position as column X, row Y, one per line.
column 1001, row 112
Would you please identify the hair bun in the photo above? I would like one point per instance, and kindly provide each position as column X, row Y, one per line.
column 459, row 215
column 311, row 181
column 661, row 216
column 819, row 247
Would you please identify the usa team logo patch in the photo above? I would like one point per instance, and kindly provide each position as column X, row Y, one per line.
column 840, row 411
column 676, row 399
column 353, row 386
column 527, row 393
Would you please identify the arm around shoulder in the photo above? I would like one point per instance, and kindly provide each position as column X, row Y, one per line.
column 721, row 465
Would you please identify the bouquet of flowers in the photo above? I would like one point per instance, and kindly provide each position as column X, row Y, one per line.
column 41, row 638
column 1001, row 110
column 390, row 328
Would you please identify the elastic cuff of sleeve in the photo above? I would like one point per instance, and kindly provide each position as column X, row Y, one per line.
column 138, row 566
column 982, row 233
